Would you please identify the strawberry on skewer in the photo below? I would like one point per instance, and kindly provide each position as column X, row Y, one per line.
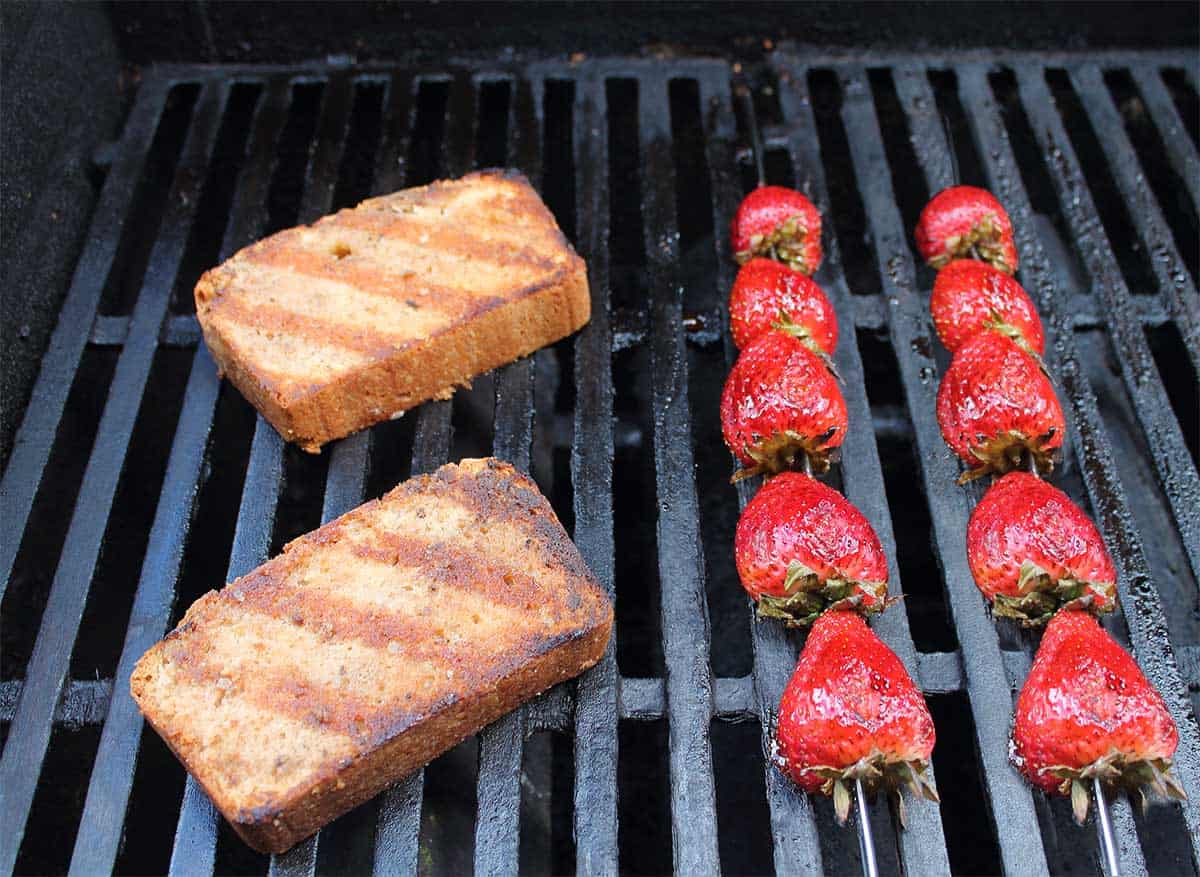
column 778, row 223
column 801, row 548
column 1033, row 551
column 1088, row 712
column 780, row 404
column 851, row 712
column 970, row 296
column 964, row 222
column 768, row 295
column 996, row 405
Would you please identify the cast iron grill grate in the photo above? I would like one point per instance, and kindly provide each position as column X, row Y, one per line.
column 643, row 161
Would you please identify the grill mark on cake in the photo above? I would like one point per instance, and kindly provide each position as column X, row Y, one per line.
column 318, row 331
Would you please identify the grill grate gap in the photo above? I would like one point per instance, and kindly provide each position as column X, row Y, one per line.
column 153, row 805
column 1170, row 189
column 149, row 202
column 492, row 147
column 547, row 784
column 924, row 596
column 58, row 803
column 211, row 536
column 643, row 798
column 970, row 840
column 1181, row 381
column 846, row 210
column 102, row 632
column 954, row 121
column 221, row 178
column 1186, row 101
column 356, row 171
column 911, row 191
column 627, row 259
column 743, row 819
column 1113, row 214
column 446, row 844
column 296, row 144
column 33, row 571
column 429, row 131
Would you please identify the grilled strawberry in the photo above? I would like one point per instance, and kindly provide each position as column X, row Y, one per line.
column 780, row 224
column 769, row 295
column 969, row 296
column 1088, row 711
column 964, row 222
column 801, row 548
column 996, row 404
column 1033, row 551
column 851, row 711
column 780, row 403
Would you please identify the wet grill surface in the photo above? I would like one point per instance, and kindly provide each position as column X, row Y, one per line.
column 139, row 481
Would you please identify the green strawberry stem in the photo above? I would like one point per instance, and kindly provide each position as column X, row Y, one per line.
column 784, row 244
column 1115, row 772
column 1006, row 452
column 982, row 243
column 1040, row 596
column 786, row 324
column 877, row 772
column 785, row 451
column 807, row 596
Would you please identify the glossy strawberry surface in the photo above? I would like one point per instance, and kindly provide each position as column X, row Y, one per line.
column 1087, row 709
column 801, row 548
column 780, row 402
column 996, row 405
column 767, row 294
column 964, row 222
column 968, row 295
column 851, row 709
column 780, row 224
column 1033, row 551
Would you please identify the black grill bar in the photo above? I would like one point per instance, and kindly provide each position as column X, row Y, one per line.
column 1174, row 283
column 595, row 798
column 923, row 846
column 501, row 745
column 1168, row 451
column 1181, row 151
column 1011, row 801
column 685, row 637
column 99, row 835
column 50, row 661
column 924, row 129
column 1143, row 609
column 35, row 438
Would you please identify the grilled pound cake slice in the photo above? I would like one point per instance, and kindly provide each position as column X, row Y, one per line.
column 370, row 646
column 331, row 327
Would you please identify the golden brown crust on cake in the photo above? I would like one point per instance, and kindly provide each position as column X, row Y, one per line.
column 370, row 646
column 331, row 327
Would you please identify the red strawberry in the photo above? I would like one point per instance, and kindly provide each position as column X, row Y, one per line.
column 966, row 222
column 780, row 402
column 851, row 711
column 780, row 224
column 1033, row 551
column 1088, row 711
column 769, row 295
column 969, row 296
column 801, row 548
column 995, row 404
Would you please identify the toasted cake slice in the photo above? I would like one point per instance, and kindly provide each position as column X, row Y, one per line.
column 370, row 646
column 331, row 327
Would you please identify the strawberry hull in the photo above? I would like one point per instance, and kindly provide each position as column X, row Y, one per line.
column 801, row 549
column 778, row 223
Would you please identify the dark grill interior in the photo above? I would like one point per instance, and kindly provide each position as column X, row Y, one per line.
column 134, row 465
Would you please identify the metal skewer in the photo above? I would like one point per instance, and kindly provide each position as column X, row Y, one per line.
column 1104, row 825
column 866, row 841
column 1108, row 841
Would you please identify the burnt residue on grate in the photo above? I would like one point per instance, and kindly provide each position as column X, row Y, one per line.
column 139, row 481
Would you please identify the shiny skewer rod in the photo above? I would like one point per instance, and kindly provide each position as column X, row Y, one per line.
column 1108, row 841
column 866, row 842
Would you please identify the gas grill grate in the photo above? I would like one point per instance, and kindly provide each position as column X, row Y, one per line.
column 643, row 161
